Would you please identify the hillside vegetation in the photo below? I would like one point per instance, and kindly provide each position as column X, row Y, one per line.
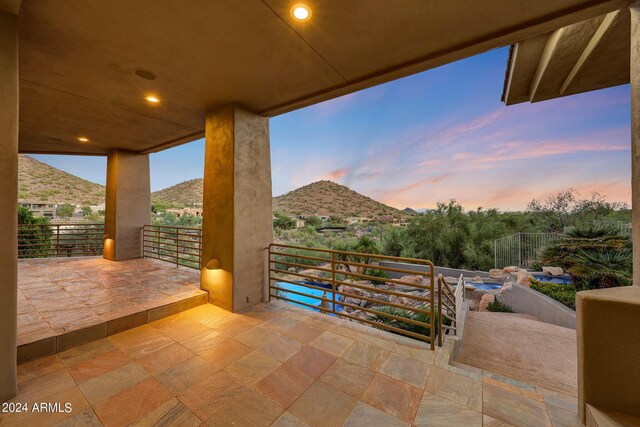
column 187, row 193
column 326, row 198
column 322, row 198
column 40, row 182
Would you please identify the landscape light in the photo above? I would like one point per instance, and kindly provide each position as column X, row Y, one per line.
column 301, row 12
column 152, row 99
column 83, row 139
column 213, row 264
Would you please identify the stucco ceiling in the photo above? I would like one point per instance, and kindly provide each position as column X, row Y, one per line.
column 77, row 58
column 589, row 55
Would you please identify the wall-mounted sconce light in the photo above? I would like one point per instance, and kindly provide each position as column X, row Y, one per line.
column 213, row 264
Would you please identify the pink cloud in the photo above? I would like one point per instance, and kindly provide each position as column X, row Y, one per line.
column 336, row 175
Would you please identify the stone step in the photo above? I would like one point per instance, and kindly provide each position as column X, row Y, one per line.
column 74, row 338
column 521, row 348
column 599, row 418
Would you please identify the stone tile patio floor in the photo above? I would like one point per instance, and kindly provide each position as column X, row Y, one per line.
column 274, row 365
column 58, row 295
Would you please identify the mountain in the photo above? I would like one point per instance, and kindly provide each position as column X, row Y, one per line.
column 409, row 211
column 326, row 198
column 39, row 182
column 186, row 193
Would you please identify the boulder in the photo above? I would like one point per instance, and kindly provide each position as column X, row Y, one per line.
column 511, row 269
column 553, row 271
column 524, row 278
column 496, row 272
column 416, row 280
column 352, row 291
column 451, row 280
column 477, row 279
column 485, row 301
column 468, row 287
column 382, row 297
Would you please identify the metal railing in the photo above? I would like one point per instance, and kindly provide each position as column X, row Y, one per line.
column 60, row 240
column 355, row 286
column 181, row 246
column 447, row 308
column 521, row 249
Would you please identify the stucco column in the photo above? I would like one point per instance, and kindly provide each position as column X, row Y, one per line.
column 127, row 204
column 8, row 201
column 237, row 208
column 607, row 319
column 635, row 137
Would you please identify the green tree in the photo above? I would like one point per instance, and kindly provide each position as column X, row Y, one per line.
column 34, row 236
column 313, row 221
column 283, row 221
column 66, row 210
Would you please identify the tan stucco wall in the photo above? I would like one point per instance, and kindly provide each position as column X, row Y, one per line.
column 8, row 202
column 127, row 204
column 609, row 349
column 237, row 206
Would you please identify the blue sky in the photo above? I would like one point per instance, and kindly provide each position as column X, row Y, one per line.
column 435, row 136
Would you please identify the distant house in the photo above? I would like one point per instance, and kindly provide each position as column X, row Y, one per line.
column 186, row 211
column 40, row 209
column 97, row 208
column 357, row 219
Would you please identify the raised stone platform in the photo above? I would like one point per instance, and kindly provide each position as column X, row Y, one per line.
column 65, row 302
column 521, row 348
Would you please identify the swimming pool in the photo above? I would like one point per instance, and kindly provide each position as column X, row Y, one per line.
column 560, row 280
column 485, row 286
column 309, row 291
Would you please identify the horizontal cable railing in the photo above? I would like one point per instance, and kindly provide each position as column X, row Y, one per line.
column 181, row 246
column 60, row 240
column 355, row 286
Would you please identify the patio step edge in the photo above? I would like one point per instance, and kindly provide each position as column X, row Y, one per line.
column 67, row 340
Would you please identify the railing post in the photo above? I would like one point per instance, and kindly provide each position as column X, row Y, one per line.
column 439, row 310
column 57, row 240
column 432, row 332
column 266, row 277
column 333, row 282
column 177, row 247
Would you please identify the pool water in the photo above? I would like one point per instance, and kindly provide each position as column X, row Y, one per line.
column 485, row 286
column 309, row 291
column 560, row 280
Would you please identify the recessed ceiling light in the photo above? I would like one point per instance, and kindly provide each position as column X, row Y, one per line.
column 300, row 12
column 152, row 99
column 145, row 74
column 83, row 139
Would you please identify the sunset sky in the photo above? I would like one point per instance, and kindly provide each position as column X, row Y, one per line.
column 439, row 135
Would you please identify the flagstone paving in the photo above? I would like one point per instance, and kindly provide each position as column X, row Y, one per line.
column 62, row 295
column 171, row 371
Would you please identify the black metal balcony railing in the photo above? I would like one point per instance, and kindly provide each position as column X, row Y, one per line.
column 355, row 286
column 181, row 246
column 60, row 240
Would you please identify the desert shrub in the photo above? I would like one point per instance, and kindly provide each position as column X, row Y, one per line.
column 594, row 256
column 565, row 294
column 283, row 221
column 407, row 314
column 377, row 273
column 498, row 307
